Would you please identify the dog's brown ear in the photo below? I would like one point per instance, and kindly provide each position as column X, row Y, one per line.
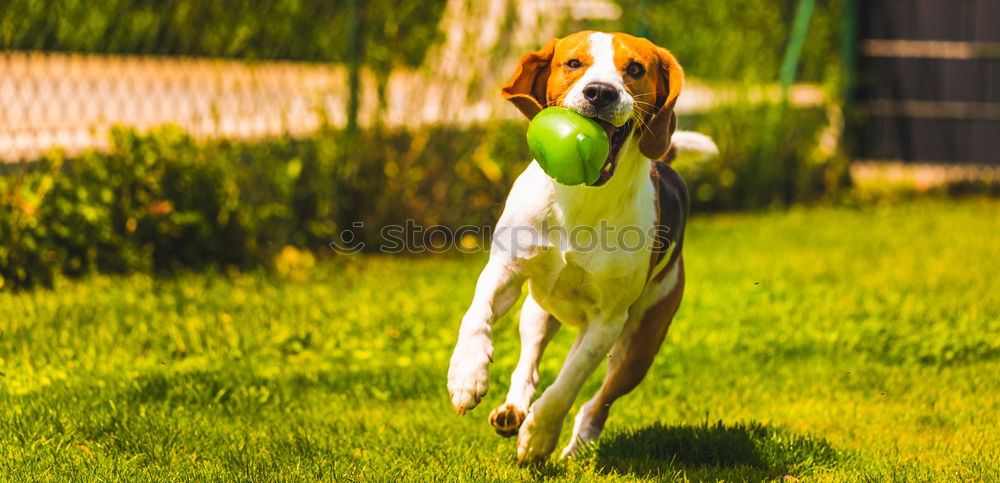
column 527, row 88
column 655, row 139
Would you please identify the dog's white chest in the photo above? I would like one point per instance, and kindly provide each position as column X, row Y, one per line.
column 578, row 286
column 585, row 254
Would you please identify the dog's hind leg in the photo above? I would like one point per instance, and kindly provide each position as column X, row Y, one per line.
column 537, row 328
column 630, row 358
column 540, row 431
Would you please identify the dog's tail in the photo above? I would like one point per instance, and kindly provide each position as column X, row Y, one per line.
column 690, row 142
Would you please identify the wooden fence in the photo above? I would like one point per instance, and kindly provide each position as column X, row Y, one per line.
column 929, row 82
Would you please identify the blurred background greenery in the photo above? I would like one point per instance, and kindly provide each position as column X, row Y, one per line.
column 163, row 199
column 397, row 33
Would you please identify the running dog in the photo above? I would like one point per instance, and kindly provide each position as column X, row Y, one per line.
column 623, row 288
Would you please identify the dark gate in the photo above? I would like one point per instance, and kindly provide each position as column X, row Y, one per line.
column 929, row 81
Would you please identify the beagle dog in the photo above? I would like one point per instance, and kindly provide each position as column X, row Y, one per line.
column 604, row 258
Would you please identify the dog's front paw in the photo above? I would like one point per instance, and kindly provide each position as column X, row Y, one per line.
column 537, row 438
column 468, row 376
column 506, row 419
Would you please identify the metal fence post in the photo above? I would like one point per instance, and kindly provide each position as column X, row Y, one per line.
column 766, row 167
column 355, row 57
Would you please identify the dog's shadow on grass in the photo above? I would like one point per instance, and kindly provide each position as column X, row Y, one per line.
column 740, row 451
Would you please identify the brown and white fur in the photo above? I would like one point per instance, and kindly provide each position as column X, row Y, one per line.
column 620, row 294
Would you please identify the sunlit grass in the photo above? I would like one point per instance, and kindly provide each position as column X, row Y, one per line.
column 822, row 343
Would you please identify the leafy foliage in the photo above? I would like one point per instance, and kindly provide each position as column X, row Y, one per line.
column 715, row 39
column 739, row 41
column 747, row 175
column 312, row 30
column 161, row 201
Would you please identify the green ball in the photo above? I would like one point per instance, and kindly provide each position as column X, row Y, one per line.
column 569, row 147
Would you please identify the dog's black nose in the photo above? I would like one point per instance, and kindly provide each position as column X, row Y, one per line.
column 600, row 94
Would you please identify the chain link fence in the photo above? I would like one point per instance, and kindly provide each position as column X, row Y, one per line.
column 70, row 69
column 426, row 63
column 71, row 101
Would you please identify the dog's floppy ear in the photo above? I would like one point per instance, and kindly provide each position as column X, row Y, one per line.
column 527, row 88
column 656, row 138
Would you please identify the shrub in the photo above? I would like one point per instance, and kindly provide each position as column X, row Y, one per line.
column 804, row 164
column 738, row 40
column 314, row 30
column 154, row 203
column 161, row 201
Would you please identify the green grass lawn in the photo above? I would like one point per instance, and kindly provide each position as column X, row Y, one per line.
column 822, row 343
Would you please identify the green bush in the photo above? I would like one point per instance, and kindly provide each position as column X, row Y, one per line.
column 155, row 202
column 738, row 40
column 313, row 30
column 750, row 173
column 161, row 201
column 715, row 39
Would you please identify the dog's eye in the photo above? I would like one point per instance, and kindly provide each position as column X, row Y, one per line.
column 635, row 69
column 574, row 64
